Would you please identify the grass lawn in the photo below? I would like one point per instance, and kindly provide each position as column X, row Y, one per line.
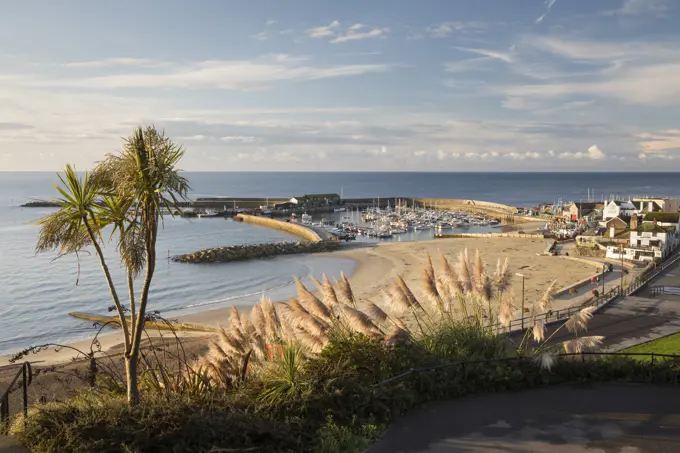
column 665, row 345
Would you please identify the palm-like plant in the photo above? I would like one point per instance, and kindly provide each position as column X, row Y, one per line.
column 127, row 191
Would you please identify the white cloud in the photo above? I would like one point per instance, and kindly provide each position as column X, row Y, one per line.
column 640, row 7
column 659, row 143
column 636, row 72
column 121, row 61
column 262, row 36
column 324, row 31
column 593, row 153
column 444, row 29
column 492, row 54
column 222, row 74
column 351, row 33
column 270, row 22
column 240, row 139
column 548, row 5
column 354, row 34
column 420, row 153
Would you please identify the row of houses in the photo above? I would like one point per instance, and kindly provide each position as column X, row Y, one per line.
column 640, row 229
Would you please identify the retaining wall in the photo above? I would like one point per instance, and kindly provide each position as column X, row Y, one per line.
column 293, row 228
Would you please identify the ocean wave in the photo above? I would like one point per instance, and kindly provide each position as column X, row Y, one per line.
column 232, row 298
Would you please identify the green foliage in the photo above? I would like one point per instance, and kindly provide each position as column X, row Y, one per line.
column 666, row 345
column 96, row 423
column 283, row 379
column 332, row 403
column 345, row 439
column 464, row 343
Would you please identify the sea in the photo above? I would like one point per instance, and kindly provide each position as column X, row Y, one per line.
column 37, row 291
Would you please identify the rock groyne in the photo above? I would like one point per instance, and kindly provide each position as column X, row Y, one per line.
column 246, row 252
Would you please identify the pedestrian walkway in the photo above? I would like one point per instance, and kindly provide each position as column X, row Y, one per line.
column 603, row 419
column 10, row 445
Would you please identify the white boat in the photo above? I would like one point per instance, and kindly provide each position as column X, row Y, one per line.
column 339, row 209
column 208, row 213
column 398, row 231
column 444, row 226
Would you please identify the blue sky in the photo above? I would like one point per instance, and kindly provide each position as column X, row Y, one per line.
column 446, row 85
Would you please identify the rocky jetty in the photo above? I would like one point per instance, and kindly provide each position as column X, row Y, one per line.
column 246, row 252
column 40, row 204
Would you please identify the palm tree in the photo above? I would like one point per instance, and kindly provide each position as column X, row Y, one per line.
column 127, row 191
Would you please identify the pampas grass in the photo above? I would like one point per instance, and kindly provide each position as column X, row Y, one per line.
column 579, row 321
column 312, row 303
column 376, row 312
column 330, row 297
column 345, row 290
column 396, row 300
column 450, row 278
column 545, row 361
column 502, row 275
column 506, row 311
column 412, row 301
column 579, row 345
column 538, row 331
column 545, row 304
column 464, row 272
column 299, row 317
column 310, row 322
column 359, row 321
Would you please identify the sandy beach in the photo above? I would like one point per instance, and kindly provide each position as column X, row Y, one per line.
column 378, row 264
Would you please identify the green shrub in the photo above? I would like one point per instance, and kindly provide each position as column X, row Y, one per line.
column 339, row 411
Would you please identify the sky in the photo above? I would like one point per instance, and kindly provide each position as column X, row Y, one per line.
column 320, row 85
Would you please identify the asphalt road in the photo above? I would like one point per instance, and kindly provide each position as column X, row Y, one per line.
column 603, row 419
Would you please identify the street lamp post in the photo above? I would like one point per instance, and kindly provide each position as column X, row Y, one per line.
column 621, row 253
column 522, row 314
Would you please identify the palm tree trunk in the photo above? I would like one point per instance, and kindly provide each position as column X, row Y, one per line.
column 109, row 280
column 150, row 244
column 133, row 313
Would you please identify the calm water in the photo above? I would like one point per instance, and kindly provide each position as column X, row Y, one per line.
column 37, row 292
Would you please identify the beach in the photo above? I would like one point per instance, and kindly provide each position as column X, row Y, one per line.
column 378, row 264
column 375, row 269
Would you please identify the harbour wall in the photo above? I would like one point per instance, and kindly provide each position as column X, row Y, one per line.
column 488, row 235
column 246, row 252
column 468, row 205
column 293, row 228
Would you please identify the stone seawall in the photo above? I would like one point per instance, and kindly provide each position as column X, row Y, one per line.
column 246, row 252
column 292, row 228
column 488, row 235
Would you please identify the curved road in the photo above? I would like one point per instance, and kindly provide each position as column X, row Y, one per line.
column 603, row 419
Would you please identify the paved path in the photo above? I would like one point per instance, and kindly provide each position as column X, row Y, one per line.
column 9, row 445
column 635, row 319
column 605, row 419
column 630, row 321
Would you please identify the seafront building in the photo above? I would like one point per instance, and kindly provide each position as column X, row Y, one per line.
column 640, row 229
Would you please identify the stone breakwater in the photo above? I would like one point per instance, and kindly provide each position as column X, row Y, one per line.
column 246, row 252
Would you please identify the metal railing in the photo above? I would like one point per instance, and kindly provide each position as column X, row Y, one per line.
column 519, row 324
column 26, row 373
column 520, row 358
